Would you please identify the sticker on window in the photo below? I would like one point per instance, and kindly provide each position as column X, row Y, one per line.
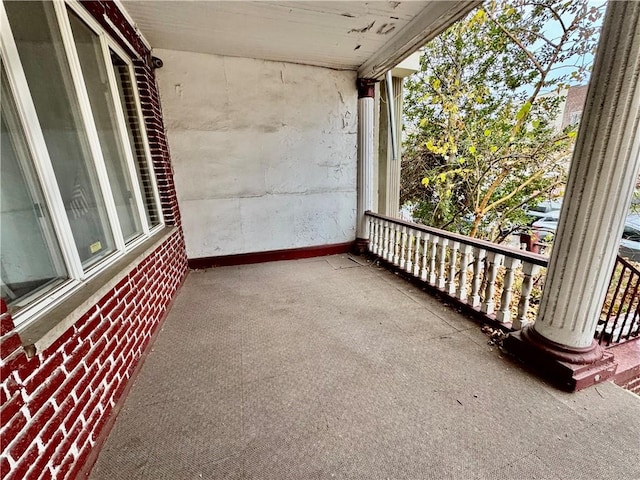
column 95, row 247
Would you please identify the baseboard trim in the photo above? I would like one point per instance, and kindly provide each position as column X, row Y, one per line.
column 270, row 256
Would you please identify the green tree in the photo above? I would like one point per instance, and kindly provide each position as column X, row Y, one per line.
column 480, row 144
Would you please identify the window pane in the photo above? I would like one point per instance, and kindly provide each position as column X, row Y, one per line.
column 30, row 257
column 43, row 59
column 103, row 109
column 126, row 91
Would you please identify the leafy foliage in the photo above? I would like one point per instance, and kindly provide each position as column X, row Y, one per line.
column 481, row 143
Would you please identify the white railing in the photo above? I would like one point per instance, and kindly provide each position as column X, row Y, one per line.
column 493, row 280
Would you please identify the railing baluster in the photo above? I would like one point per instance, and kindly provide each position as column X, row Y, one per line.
column 410, row 239
column 433, row 247
column 392, row 242
column 478, row 267
column 416, row 262
column 425, row 248
column 403, row 248
column 529, row 270
column 504, row 314
column 371, row 222
column 395, row 257
column 464, row 265
column 494, row 261
column 373, row 247
column 385, row 240
column 442, row 257
column 453, row 261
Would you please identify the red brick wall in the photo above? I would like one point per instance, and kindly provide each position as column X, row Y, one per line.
column 632, row 385
column 576, row 96
column 54, row 405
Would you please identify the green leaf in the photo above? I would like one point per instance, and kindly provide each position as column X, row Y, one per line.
column 524, row 111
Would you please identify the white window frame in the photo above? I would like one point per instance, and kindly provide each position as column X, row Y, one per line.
column 78, row 276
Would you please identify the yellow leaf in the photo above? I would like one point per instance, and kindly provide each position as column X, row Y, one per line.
column 423, row 122
column 442, row 177
column 461, row 160
column 425, row 181
column 487, row 133
column 493, row 149
column 472, row 149
column 572, row 134
column 436, row 84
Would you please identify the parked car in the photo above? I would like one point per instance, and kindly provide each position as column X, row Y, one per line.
column 546, row 227
column 630, row 243
column 544, row 208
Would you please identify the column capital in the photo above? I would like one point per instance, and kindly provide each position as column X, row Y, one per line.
column 366, row 87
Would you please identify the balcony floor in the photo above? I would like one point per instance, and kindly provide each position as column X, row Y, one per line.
column 326, row 368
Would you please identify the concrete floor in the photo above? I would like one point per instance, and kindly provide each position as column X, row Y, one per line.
column 325, row 368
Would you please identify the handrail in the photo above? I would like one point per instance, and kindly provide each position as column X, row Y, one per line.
column 522, row 255
column 621, row 320
column 624, row 262
column 492, row 281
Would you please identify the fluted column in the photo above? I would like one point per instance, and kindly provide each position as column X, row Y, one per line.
column 366, row 90
column 389, row 169
column 601, row 181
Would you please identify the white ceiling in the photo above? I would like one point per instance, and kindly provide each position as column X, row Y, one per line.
column 341, row 35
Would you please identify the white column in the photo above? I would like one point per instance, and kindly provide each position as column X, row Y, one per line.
column 365, row 157
column 601, row 181
column 388, row 168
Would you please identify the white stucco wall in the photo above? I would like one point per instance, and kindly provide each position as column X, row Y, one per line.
column 264, row 153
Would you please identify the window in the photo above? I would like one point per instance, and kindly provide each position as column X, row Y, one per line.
column 77, row 186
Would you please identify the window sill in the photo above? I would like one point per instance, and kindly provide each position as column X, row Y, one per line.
column 41, row 333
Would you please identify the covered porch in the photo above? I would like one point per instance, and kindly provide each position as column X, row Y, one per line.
column 280, row 146
column 334, row 367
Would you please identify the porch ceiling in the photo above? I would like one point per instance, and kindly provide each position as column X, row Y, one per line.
column 367, row 36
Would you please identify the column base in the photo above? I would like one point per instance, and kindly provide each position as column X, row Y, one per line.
column 568, row 369
column 361, row 246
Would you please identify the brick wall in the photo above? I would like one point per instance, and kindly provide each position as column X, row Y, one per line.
column 54, row 406
column 576, row 97
column 632, row 385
